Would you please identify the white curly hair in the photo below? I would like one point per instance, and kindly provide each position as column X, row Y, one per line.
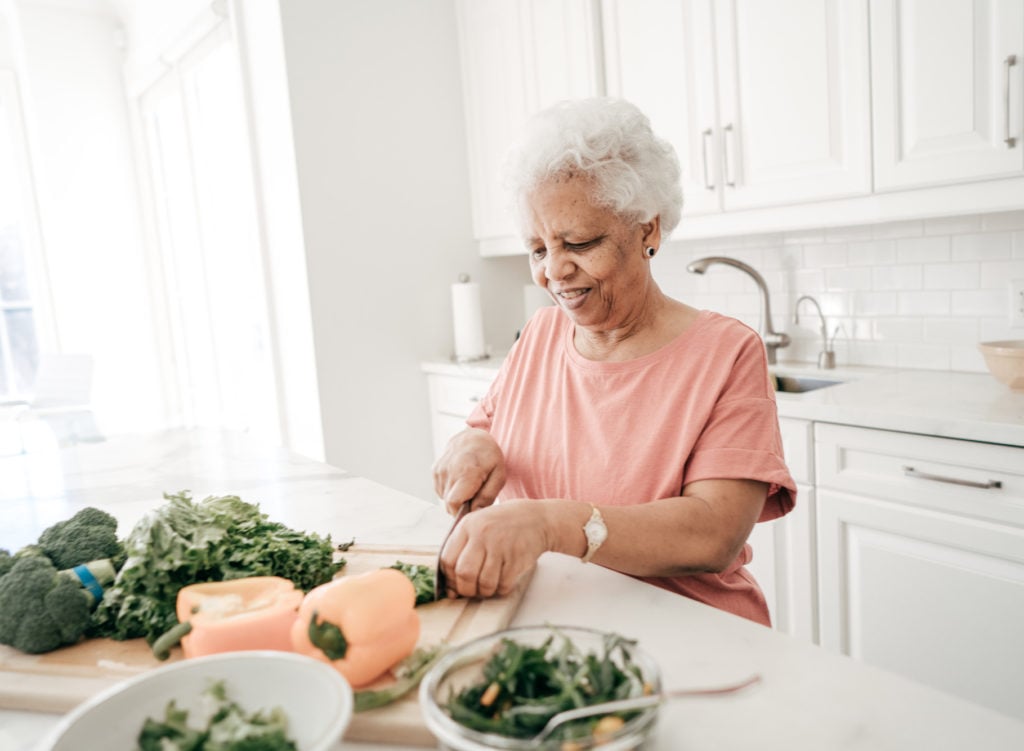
column 635, row 173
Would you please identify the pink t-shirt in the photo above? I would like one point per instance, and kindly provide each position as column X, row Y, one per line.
column 623, row 433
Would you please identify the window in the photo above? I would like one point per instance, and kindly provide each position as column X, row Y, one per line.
column 19, row 340
column 195, row 138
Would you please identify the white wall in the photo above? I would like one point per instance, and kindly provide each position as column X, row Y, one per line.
column 379, row 135
column 915, row 294
column 69, row 72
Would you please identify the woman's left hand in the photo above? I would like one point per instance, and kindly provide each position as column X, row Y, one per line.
column 492, row 547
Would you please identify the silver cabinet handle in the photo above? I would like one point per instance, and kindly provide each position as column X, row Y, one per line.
column 730, row 179
column 911, row 472
column 705, row 138
column 1008, row 63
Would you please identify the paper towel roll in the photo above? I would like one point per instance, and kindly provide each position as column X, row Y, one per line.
column 467, row 315
column 534, row 298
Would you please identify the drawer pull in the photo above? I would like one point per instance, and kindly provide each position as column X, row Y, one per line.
column 911, row 472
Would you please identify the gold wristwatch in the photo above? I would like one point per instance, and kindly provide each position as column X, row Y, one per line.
column 596, row 533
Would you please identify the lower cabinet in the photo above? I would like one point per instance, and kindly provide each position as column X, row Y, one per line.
column 783, row 549
column 452, row 399
column 920, row 548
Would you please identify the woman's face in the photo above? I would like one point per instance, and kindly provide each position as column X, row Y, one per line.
column 590, row 260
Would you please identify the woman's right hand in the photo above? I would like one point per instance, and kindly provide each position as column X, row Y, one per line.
column 472, row 468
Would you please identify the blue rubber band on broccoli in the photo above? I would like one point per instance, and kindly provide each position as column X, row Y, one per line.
column 89, row 581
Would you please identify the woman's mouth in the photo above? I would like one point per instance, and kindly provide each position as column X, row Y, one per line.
column 571, row 299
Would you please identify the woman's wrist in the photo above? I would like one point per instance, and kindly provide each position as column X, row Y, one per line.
column 563, row 522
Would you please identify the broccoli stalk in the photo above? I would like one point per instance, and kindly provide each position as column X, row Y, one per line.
column 40, row 609
column 89, row 535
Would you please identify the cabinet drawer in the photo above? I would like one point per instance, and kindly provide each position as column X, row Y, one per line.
column 964, row 477
column 456, row 395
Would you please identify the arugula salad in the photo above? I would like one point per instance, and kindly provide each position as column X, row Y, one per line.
column 523, row 686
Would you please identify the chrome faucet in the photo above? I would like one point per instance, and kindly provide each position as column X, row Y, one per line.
column 827, row 357
column 772, row 339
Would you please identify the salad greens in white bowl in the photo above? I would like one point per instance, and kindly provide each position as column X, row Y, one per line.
column 288, row 700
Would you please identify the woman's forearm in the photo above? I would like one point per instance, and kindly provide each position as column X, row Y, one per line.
column 701, row 531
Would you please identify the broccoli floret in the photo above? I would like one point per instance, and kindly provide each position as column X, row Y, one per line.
column 41, row 610
column 6, row 561
column 89, row 535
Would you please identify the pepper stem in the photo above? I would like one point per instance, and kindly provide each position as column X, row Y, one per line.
column 328, row 638
column 170, row 638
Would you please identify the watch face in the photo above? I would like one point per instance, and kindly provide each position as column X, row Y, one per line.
column 596, row 532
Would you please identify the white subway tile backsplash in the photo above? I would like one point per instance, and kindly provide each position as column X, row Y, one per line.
column 917, row 294
column 874, row 253
column 983, row 247
column 951, row 275
column 924, row 303
column 997, row 274
column 825, row 255
column 898, row 329
column 874, row 303
column 981, row 302
column 951, row 330
column 903, row 276
column 848, row 278
column 923, row 250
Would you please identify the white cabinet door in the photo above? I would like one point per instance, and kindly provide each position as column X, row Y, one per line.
column 794, row 100
column 936, row 597
column 659, row 54
column 766, row 103
column 946, row 99
column 517, row 56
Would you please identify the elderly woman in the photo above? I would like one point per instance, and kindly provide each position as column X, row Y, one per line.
column 624, row 427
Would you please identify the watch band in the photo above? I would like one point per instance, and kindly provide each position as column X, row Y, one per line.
column 596, row 533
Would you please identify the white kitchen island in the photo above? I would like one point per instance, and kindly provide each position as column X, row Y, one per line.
column 808, row 699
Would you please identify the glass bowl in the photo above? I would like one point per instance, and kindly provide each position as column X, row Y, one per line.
column 463, row 667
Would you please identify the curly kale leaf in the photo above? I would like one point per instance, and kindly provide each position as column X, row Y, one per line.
column 184, row 542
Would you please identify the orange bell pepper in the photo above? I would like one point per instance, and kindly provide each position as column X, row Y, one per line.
column 362, row 625
column 256, row 612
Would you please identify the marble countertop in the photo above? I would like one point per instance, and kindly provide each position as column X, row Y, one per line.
column 808, row 699
column 950, row 404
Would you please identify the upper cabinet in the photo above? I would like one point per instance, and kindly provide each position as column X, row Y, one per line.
column 793, row 114
column 517, row 57
column 766, row 103
column 946, row 77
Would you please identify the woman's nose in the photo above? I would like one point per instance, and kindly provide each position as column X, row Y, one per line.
column 558, row 265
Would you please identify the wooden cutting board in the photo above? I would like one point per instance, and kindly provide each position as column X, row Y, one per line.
column 59, row 680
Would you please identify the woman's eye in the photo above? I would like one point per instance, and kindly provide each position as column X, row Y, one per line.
column 538, row 254
column 583, row 245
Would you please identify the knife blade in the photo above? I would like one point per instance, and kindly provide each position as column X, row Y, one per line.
column 440, row 580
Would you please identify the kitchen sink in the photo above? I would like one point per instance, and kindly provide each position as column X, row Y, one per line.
column 802, row 384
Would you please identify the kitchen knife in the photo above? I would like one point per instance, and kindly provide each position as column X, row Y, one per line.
column 440, row 580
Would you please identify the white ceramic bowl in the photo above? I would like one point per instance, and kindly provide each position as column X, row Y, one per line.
column 315, row 698
column 463, row 666
column 1005, row 360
